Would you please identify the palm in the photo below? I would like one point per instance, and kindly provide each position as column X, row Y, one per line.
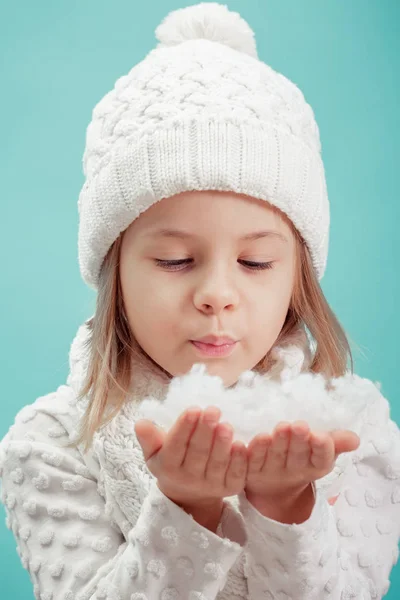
column 293, row 456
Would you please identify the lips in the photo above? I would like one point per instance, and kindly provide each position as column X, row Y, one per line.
column 214, row 350
column 216, row 340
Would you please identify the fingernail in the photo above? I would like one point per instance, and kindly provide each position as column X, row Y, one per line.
column 192, row 417
column 318, row 442
column 211, row 417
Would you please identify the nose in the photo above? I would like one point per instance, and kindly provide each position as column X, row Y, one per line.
column 216, row 292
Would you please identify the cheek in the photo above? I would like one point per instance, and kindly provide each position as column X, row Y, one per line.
column 149, row 304
column 272, row 305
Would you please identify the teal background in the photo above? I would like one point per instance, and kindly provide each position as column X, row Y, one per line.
column 60, row 58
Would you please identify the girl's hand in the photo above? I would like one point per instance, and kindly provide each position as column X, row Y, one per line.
column 195, row 463
column 283, row 464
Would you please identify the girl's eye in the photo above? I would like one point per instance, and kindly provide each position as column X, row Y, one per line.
column 174, row 265
column 257, row 266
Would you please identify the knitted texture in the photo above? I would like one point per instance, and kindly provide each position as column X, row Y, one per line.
column 200, row 112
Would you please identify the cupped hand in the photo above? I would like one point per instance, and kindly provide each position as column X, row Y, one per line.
column 292, row 457
column 195, row 462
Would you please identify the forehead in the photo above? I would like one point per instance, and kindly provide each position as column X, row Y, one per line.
column 214, row 212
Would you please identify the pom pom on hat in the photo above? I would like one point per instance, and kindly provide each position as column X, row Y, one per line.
column 210, row 21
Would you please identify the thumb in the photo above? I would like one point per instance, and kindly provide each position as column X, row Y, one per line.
column 150, row 437
column 345, row 441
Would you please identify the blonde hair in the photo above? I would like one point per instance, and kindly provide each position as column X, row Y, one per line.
column 112, row 345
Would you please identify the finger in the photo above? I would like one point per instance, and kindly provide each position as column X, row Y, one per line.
column 322, row 450
column 299, row 447
column 345, row 441
column 277, row 451
column 200, row 443
column 150, row 437
column 177, row 439
column 257, row 452
column 237, row 470
column 220, row 454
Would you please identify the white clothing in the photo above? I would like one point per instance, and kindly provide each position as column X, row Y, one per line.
column 96, row 525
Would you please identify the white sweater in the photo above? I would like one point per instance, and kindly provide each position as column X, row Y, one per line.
column 96, row 525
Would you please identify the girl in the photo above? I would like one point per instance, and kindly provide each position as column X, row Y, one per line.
column 204, row 224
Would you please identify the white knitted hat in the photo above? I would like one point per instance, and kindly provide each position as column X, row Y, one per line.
column 200, row 112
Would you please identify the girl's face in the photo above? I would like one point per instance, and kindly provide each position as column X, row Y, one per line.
column 212, row 286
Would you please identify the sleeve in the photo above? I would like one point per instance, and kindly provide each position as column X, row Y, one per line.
column 345, row 550
column 74, row 552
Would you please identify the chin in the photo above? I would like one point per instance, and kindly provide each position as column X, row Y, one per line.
column 228, row 375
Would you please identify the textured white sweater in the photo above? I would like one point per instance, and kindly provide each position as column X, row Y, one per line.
column 97, row 526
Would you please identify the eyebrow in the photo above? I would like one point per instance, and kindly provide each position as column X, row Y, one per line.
column 179, row 233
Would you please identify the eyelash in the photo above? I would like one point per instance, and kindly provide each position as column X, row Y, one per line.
column 252, row 266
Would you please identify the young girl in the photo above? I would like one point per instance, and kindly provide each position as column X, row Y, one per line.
column 204, row 224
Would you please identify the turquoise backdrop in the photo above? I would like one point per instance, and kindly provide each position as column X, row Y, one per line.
column 60, row 58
